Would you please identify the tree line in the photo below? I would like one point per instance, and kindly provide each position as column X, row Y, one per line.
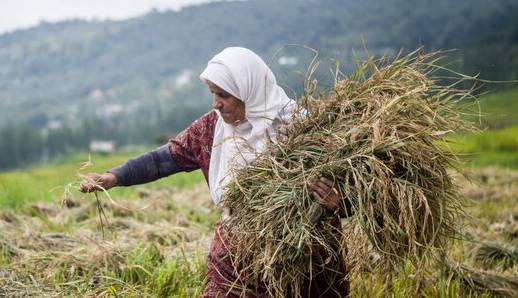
column 74, row 71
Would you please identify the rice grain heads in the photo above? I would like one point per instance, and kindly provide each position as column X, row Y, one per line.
column 377, row 134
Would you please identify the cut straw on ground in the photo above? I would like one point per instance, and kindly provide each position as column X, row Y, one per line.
column 483, row 281
column 495, row 254
column 159, row 253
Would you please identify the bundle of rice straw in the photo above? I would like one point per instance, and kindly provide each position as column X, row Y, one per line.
column 492, row 254
column 376, row 134
column 483, row 281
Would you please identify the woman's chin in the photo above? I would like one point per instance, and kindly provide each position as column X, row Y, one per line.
column 231, row 120
column 227, row 120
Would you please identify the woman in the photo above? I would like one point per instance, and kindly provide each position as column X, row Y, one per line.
column 249, row 107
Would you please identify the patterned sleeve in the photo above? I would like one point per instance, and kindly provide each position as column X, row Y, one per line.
column 191, row 147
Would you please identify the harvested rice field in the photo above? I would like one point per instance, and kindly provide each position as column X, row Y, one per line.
column 155, row 246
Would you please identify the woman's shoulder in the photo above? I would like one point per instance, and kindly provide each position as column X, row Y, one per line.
column 211, row 116
column 208, row 117
column 194, row 142
column 204, row 124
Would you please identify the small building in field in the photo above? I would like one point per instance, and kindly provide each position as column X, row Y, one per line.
column 102, row 146
column 288, row 60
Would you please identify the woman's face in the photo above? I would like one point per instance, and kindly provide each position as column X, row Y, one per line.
column 232, row 109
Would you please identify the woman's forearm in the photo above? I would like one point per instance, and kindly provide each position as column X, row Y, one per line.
column 148, row 167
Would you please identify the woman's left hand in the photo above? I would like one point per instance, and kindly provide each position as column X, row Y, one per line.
column 326, row 194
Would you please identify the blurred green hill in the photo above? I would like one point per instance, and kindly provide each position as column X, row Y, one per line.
column 65, row 84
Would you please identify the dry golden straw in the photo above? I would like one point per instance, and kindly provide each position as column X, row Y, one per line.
column 379, row 134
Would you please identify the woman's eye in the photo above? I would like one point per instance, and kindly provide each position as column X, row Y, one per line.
column 223, row 95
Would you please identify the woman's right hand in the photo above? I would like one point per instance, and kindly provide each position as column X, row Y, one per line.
column 94, row 182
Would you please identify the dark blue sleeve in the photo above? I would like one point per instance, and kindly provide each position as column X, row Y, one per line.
column 148, row 167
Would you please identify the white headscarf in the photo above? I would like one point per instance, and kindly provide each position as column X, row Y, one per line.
column 245, row 76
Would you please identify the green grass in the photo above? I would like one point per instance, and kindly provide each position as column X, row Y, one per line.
column 498, row 110
column 48, row 182
column 489, row 148
column 497, row 145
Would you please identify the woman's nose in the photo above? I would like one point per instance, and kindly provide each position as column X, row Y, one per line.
column 216, row 103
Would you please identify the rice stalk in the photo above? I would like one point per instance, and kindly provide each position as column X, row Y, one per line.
column 380, row 135
column 97, row 187
column 67, row 195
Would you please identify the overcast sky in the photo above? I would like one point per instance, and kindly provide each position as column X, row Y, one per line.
column 16, row 14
